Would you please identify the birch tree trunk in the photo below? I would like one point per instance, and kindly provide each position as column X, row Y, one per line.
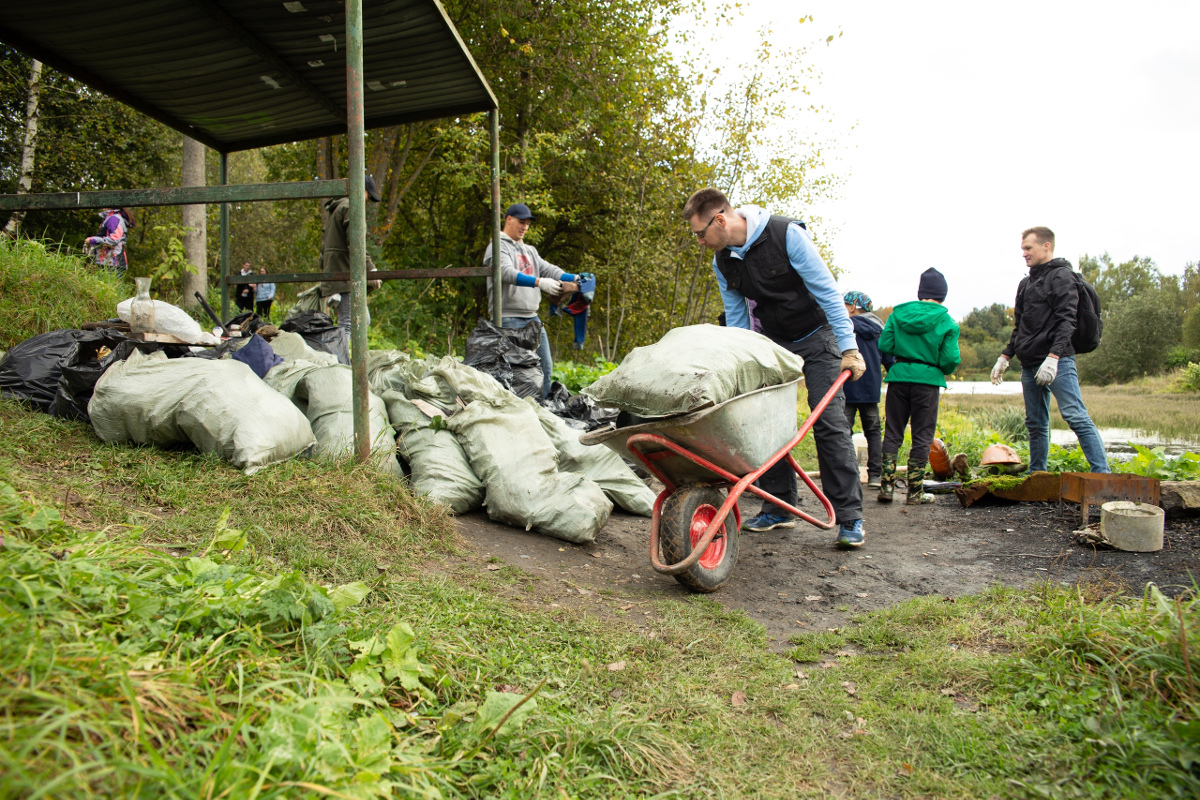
column 196, row 224
column 25, row 181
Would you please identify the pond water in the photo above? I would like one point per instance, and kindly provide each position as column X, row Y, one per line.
column 982, row 387
column 1116, row 441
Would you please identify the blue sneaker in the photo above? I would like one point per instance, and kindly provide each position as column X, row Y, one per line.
column 767, row 521
column 851, row 534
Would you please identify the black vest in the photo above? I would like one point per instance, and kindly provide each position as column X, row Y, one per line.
column 786, row 308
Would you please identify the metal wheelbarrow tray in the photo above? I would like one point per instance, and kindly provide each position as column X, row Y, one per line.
column 706, row 460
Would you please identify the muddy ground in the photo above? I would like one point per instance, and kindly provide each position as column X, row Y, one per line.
column 797, row 580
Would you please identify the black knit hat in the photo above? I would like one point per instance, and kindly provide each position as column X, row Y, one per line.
column 933, row 286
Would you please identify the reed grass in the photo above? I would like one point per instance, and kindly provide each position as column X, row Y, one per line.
column 1148, row 406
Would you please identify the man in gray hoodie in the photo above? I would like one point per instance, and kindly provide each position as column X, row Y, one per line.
column 524, row 277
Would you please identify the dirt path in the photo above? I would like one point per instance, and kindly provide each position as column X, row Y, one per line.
column 796, row 580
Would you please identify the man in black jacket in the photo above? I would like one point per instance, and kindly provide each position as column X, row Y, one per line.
column 1044, row 320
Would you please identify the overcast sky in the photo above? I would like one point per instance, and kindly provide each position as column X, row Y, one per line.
column 972, row 122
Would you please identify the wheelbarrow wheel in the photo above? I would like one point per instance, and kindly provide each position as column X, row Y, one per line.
column 686, row 515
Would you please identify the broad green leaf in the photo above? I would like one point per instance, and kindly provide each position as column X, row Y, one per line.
column 348, row 594
column 495, row 706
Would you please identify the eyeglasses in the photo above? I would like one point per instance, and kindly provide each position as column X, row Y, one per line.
column 702, row 231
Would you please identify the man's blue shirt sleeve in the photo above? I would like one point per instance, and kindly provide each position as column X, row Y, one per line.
column 525, row 280
column 737, row 313
column 809, row 265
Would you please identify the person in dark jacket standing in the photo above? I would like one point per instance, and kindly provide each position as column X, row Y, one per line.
column 924, row 340
column 862, row 396
column 1044, row 319
column 335, row 256
column 773, row 261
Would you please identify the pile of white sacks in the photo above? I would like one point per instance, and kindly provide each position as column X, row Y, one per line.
column 467, row 441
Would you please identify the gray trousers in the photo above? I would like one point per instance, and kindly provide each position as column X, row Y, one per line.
column 835, row 449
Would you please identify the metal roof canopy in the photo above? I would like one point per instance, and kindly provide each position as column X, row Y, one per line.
column 251, row 73
column 260, row 72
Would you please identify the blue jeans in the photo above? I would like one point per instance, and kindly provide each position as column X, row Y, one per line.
column 543, row 350
column 1065, row 387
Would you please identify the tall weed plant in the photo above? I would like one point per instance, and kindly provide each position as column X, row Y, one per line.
column 43, row 288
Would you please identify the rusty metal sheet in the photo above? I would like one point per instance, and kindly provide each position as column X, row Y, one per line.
column 1039, row 487
column 969, row 495
column 1078, row 487
column 380, row 275
column 1090, row 488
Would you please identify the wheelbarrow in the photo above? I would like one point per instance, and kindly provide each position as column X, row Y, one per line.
column 707, row 459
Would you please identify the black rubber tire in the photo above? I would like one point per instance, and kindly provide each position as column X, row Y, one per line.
column 675, row 537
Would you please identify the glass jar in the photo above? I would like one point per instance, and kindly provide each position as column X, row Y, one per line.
column 141, row 313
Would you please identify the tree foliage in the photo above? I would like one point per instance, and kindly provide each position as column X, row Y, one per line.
column 86, row 141
column 1146, row 316
column 605, row 130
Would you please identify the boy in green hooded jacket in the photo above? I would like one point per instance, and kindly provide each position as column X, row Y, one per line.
column 924, row 340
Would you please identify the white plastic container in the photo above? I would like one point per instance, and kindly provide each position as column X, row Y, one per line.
column 1137, row 527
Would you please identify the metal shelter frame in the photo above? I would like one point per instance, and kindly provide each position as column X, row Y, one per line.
column 310, row 109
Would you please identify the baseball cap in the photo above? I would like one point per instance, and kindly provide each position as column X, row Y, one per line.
column 372, row 189
column 520, row 211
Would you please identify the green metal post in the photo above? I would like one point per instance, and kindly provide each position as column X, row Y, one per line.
column 224, row 242
column 497, row 304
column 356, row 187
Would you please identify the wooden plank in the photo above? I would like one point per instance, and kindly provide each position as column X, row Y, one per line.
column 174, row 196
column 380, row 275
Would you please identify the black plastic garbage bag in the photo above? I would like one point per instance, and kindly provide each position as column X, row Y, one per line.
column 31, row 370
column 509, row 355
column 319, row 331
column 577, row 410
column 247, row 321
column 81, row 369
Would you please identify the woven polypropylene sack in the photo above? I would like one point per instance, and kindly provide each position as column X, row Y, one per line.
column 514, row 458
column 325, row 394
column 440, row 469
column 596, row 462
column 292, row 347
column 694, row 367
column 385, row 370
column 445, row 381
column 220, row 406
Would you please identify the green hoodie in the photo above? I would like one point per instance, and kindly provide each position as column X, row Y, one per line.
column 924, row 340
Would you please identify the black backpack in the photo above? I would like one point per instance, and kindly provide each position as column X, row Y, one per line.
column 1089, row 327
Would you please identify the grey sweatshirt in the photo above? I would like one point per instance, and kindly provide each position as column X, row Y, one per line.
column 518, row 257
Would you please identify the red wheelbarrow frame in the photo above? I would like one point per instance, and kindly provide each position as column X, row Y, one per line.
column 739, row 484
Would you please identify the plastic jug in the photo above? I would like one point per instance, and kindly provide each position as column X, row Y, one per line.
column 141, row 313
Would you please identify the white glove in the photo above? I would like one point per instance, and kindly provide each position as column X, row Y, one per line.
column 1047, row 371
column 998, row 370
column 550, row 286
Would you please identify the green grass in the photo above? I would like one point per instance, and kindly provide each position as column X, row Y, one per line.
column 42, row 290
column 129, row 669
column 336, row 522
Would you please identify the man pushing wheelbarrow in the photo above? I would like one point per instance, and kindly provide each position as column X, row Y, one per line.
column 772, row 260
column 737, row 434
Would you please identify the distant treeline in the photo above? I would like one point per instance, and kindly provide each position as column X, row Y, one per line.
column 1151, row 322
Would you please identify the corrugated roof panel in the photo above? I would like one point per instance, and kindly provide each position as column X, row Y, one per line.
column 237, row 74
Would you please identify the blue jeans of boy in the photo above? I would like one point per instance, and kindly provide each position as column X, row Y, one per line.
column 1065, row 388
column 543, row 350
